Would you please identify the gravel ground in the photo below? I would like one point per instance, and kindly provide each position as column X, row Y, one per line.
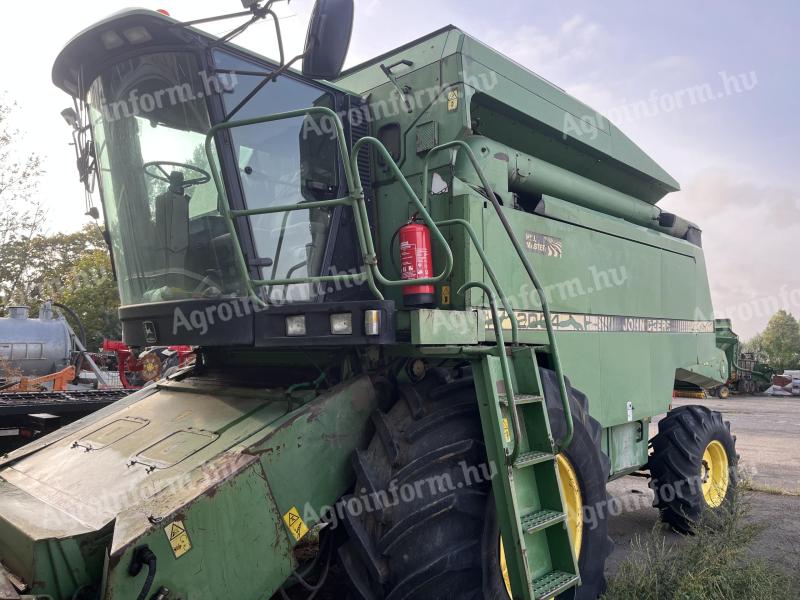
column 768, row 431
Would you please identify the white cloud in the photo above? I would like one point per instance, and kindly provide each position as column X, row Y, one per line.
column 750, row 234
column 553, row 55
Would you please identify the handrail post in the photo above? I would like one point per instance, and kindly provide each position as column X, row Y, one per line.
column 511, row 455
column 421, row 209
column 562, row 387
column 489, row 271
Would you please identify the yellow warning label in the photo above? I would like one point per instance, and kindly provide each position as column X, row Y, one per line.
column 452, row 100
column 295, row 523
column 506, row 430
column 445, row 295
column 178, row 538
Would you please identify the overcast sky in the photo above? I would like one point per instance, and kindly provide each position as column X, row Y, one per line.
column 735, row 152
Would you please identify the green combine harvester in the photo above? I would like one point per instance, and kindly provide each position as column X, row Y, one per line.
column 436, row 307
column 746, row 374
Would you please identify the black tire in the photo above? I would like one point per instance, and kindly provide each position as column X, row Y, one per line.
column 724, row 392
column 677, row 466
column 428, row 547
column 592, row 468
column 443, row 544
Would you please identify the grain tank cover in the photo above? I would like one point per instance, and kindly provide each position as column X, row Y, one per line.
column 518, row 108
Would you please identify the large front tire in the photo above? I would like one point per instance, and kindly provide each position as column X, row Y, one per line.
column 443, row 543
column 422, row 540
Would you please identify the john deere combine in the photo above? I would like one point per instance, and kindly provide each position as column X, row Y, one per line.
column 436, row 307
column 746, row 374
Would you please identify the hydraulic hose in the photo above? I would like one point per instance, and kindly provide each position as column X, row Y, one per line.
column 76, row 318
column 144, row 557
column 82, row 334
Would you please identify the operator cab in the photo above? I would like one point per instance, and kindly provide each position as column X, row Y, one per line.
column 148, row 90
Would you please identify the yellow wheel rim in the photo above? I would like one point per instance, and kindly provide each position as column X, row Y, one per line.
column 573, row 499
column 714, row 474
column 571, row 491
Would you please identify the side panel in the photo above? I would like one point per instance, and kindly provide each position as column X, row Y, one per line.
column 628, row 312
column 237, row 540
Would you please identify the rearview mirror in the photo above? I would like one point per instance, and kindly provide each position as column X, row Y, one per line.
column 71, row 117
column 328, row 38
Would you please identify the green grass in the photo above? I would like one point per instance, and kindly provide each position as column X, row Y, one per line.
column 715, row 563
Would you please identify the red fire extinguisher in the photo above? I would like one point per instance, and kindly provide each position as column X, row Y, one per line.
column 416, row 262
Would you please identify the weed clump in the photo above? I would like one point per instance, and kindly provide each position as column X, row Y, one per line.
column 713, row 563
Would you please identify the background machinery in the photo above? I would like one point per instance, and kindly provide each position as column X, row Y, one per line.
column 432, row 319
column 746, row 374
column 42, row 384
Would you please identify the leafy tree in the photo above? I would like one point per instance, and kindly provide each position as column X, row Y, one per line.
column 21, row 215
column 43, row 262
column 91, row 291
column 51, row 259
column 781, row 340
column 74, row 269
column 756, row 345
column 71, row 268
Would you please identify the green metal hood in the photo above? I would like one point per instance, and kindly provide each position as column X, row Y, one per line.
column 518, row 108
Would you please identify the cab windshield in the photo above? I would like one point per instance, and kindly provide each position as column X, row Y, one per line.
column 169, row 239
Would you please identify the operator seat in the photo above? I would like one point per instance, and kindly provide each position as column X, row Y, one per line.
column 172, row 232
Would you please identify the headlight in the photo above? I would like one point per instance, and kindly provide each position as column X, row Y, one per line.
column 372, row 322
column 342, row 324
column 296, row 325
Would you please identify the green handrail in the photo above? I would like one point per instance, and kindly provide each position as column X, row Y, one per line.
column 513, row 452
column 355, row 200
column 421, row 210
column 562, row 387
column 229, row 215
column 489, row 271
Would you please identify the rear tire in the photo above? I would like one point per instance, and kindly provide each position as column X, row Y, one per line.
column 443, row 543
column 692, row 466
column 593, row 468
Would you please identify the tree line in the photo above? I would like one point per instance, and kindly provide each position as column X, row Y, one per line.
column 779, row 344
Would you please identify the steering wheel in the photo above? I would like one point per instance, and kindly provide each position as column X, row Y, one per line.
column 175, row 179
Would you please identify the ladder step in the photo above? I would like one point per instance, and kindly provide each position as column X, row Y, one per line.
column 553, row 584
column 534, row 457
column 541, row 519
column 520, row 399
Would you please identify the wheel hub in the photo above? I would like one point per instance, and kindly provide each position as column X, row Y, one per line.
column 714, row 474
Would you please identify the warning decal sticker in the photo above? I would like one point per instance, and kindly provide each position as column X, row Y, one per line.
column 295, row 523
column 452, row 100
column 178, row 538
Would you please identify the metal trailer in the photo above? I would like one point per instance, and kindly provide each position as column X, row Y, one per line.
column 448, row 435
